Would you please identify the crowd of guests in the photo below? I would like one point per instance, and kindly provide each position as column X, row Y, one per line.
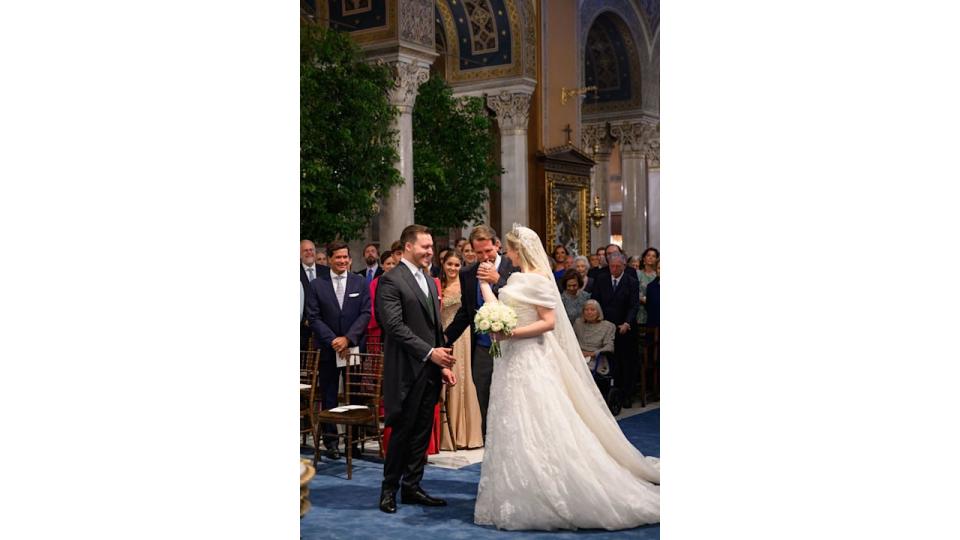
column 607, row 296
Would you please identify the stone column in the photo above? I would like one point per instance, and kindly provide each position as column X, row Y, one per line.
column 635, row 138
column 512, row 110
column 653, row 189
column 397, row 208
column 599, row 140
column 634, row 201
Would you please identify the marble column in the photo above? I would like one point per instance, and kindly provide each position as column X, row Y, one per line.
column 512, row 110
column 598, row 139
column 397, row 206
column 636, row 139
column 634, row 220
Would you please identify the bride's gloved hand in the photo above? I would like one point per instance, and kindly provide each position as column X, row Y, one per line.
column 486, row 272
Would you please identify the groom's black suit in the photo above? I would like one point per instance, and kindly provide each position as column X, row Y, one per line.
column 481, row 364
column 411, row 381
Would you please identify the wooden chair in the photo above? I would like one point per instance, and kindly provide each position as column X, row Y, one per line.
column 363, row 380
column 309, row 365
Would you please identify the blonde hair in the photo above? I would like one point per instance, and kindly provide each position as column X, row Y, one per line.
column 527, row 264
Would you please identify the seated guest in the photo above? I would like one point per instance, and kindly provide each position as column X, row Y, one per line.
column 634, row 262
column 574, row 297
column 594, row 334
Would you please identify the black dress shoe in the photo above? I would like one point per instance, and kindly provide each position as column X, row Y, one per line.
column 388, row 502
column 420, row 497
column 332, row 453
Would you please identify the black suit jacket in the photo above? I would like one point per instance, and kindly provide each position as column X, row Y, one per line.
column 409, row 332
column 305, row 282
column 468, row 306
column 620, row 306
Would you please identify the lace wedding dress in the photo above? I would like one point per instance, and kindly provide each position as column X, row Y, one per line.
column 555, row 457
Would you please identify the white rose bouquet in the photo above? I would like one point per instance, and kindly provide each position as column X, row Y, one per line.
column 495, row 317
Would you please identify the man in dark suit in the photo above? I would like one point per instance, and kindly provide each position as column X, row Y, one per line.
column 486, row 245
column 618, row 293
column 309, row 270
column 372, row 259
column 414, row 366
column 338, row 308
column 613, row 248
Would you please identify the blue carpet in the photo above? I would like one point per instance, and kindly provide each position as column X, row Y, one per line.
column 348, row 508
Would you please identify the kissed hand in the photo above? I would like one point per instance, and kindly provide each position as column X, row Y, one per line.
column 488, row 273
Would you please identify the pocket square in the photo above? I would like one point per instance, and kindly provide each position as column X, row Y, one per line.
column 354, row 294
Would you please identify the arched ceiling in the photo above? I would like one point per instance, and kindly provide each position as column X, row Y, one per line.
column 612, row 64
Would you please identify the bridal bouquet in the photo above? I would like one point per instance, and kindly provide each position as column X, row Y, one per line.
column 495, row 317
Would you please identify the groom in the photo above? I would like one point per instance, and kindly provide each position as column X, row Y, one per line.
column 486, row 245
column 414, row 365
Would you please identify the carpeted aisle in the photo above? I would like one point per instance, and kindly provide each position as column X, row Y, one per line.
column 348, row 508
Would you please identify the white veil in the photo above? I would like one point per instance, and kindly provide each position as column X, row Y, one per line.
column 576, row 377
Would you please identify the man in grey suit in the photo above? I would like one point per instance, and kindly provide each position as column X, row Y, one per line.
column 415, row 364
column 486, row 245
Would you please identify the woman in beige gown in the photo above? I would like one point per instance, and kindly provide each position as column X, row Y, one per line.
column 463, row 409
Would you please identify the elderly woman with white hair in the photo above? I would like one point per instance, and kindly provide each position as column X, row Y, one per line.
column 594, row 334
column 582, row 265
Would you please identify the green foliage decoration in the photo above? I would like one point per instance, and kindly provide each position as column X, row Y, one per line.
column 347, row 144
column 453, row 169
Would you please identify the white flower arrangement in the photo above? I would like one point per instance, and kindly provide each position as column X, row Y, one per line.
column 495, row 317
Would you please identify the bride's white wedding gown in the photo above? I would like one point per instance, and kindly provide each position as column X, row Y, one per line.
column 554, row 456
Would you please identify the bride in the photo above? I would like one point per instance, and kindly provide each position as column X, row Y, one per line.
column 555, row 457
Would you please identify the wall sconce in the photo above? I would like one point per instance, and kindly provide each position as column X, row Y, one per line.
column 567, row 93
column 597, row 214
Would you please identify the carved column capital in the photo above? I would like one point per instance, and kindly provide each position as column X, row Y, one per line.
column 407, row 78
column 512, row 109
column 641, row 139
column 597, row 139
